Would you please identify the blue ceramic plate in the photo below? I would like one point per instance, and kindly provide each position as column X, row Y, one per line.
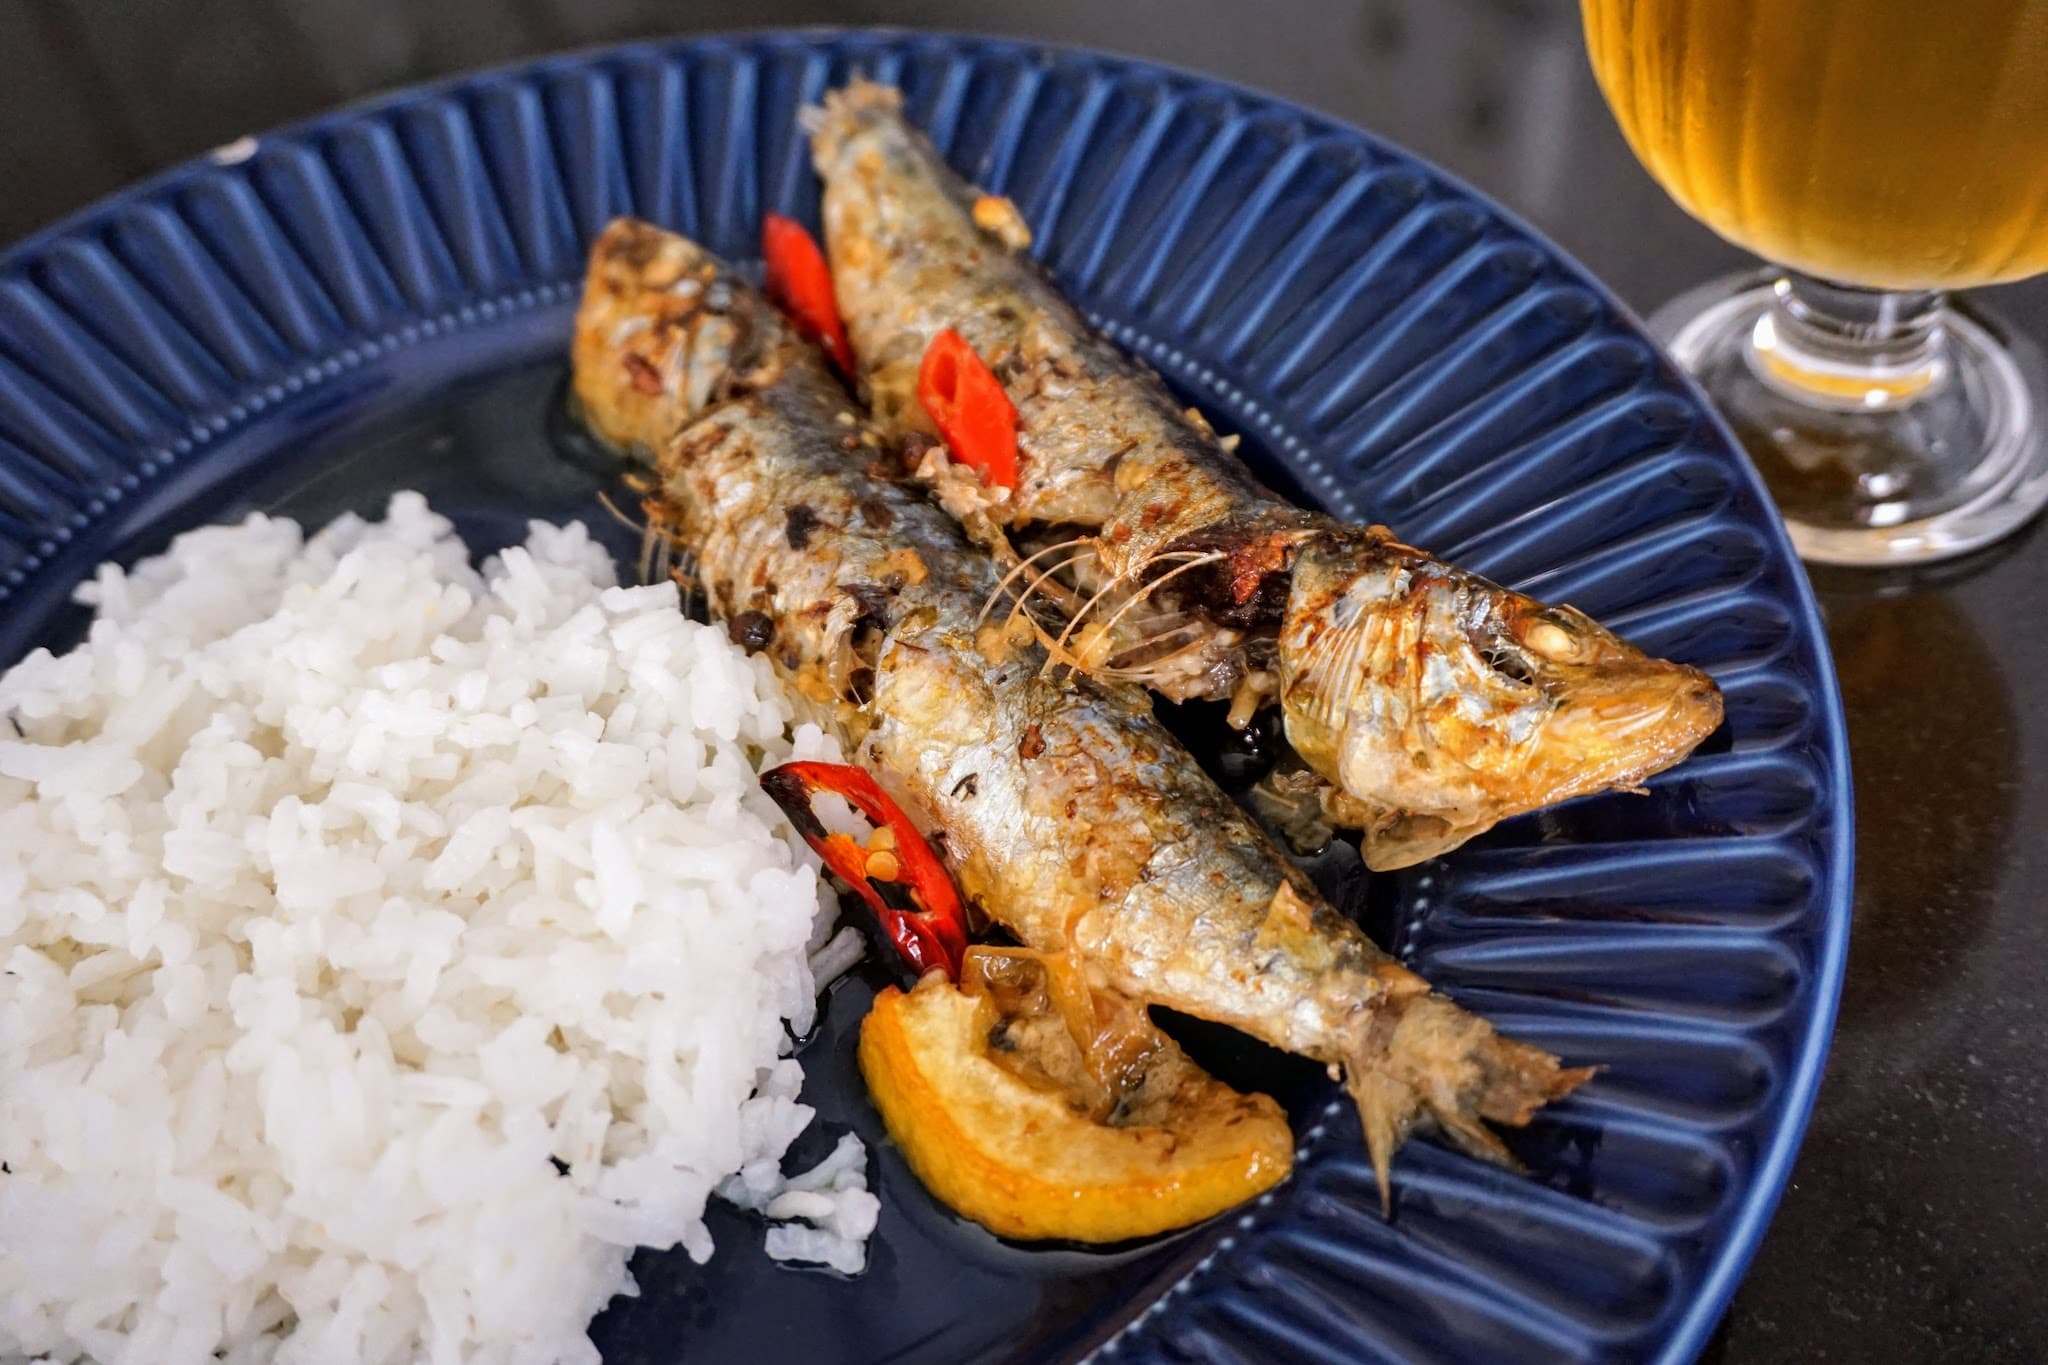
column 381, row 299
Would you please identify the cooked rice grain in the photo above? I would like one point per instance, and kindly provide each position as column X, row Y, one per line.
column 347, row 896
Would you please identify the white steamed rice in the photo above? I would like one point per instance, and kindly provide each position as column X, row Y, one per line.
column 342, row 887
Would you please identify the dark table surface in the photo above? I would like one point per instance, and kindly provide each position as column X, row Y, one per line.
column 1916, row 1225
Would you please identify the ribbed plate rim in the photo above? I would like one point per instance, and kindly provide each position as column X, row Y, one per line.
column 1773, row 1169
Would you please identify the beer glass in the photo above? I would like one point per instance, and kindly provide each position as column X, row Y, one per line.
column 1877, row 153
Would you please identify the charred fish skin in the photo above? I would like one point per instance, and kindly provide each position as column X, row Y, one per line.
column 1431, row 724
column 1060, row 803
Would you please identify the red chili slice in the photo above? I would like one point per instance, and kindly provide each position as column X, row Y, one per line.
column 967, row 404
column 918, row 908
column 801, row 284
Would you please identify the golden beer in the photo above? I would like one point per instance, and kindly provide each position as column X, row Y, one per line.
column 1900, row 144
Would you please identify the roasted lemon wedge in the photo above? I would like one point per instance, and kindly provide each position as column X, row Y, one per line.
column 1005, row 1116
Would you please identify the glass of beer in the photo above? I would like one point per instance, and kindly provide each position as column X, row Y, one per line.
column 1878, row 153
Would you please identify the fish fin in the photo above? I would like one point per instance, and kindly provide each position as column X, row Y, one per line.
column 1474, row 1138
column 1435, row 1065
column 1522, row 1079
column 1386, row 1109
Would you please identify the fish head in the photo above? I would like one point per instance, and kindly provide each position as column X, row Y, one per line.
column 663, row 334
column 1438, row 703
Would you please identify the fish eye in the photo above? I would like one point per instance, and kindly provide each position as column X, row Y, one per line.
column 1552, row 641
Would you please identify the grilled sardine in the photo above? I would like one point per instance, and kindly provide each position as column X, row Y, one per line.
column 1436, row 702
column 1059, row 803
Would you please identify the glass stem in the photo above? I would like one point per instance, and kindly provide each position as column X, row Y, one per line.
column 1850, row 349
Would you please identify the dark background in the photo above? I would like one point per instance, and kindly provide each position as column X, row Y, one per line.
column 1916, row 1225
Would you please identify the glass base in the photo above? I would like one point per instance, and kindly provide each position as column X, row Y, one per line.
column 1898, row 464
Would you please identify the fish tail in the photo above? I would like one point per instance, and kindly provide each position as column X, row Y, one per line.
column 1441, row 1067
column 861, row 94
column 845, row 111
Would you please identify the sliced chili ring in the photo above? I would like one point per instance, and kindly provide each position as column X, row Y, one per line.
column 800, row 283
column 966, row 402
column 916, row 904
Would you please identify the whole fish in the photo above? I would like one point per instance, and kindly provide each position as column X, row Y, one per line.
column 1058, row 802
column 1436, row 702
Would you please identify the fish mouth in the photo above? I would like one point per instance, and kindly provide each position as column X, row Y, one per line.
column 1621, row 730
column 1612, row 715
